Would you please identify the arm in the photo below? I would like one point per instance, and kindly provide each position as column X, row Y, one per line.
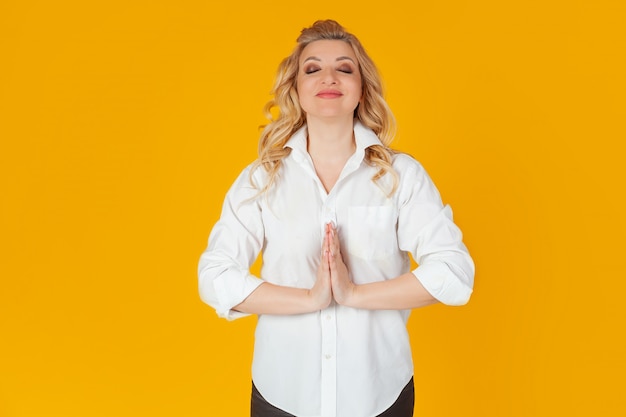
column 425, row 228
column 275, row 299
column 400, row 293
column 269, row 298
column 224, row 277
column 225, row 282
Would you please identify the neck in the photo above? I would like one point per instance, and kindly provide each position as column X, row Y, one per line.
column 331, row 140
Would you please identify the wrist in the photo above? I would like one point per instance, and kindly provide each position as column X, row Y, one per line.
column 353, row 297
column 314, row 302
column 350, row 296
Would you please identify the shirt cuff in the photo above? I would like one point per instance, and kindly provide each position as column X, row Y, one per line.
column 439, row 280
column 231, row 291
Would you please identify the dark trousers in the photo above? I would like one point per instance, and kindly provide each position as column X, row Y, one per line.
column 403, row 407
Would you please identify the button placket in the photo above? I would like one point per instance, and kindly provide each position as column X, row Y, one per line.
column 329, row 214
column 329, row 362
column 329, row 330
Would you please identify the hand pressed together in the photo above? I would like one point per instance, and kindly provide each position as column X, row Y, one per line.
column 333, row 279
column 333, row 282
column 321, row 293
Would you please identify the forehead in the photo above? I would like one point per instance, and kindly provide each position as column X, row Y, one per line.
column 328, row 50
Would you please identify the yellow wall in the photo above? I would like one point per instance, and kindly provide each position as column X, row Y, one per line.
column 122, row 123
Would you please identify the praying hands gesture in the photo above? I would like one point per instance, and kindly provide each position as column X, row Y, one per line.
column 333, row 282
column 333, row 279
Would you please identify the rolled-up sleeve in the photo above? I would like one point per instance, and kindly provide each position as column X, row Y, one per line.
column 426, row 229
column 224, row 278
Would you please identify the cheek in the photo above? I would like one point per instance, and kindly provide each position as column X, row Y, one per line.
column 357, row 90
column 358, row 85
column 303, row 89
column 303, row 84
column 353, row 84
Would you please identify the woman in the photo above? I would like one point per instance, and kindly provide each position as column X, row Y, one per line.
column 335, row 213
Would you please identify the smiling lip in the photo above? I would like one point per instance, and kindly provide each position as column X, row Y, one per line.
column 329, row 94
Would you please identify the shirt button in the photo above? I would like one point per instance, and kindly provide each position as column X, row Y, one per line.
column 328, row 317
column 327, row 356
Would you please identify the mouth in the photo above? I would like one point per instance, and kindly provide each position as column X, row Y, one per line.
column 329, row 94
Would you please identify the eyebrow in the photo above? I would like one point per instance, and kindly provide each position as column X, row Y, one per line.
column 341, row 58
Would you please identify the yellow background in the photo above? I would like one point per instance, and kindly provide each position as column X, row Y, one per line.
column 123, row 123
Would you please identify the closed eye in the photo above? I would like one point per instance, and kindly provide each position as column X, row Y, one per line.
column 311, row 69
column 345, row 67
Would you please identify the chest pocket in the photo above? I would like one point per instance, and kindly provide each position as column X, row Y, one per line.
column 372, row 232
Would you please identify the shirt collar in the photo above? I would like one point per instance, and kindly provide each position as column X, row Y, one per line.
column 364, row 138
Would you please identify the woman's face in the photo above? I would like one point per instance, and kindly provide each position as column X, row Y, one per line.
column 329, row 80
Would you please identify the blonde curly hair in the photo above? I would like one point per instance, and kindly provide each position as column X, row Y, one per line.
column 373, row 111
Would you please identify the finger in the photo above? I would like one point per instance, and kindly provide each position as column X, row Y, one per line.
column 329, row 232
column 325, row 243
column 332, row 263
column 334, row 241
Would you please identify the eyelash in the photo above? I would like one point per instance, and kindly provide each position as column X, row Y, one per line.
column 314, row 69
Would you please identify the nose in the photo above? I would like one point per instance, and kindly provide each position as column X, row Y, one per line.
column 329, row 78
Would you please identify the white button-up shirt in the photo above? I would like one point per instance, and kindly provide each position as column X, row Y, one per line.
column 340, row 361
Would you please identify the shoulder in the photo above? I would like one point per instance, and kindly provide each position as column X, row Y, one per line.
column 414, row 180
column 405, row 165
column 255, row 172
column 249, row 181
